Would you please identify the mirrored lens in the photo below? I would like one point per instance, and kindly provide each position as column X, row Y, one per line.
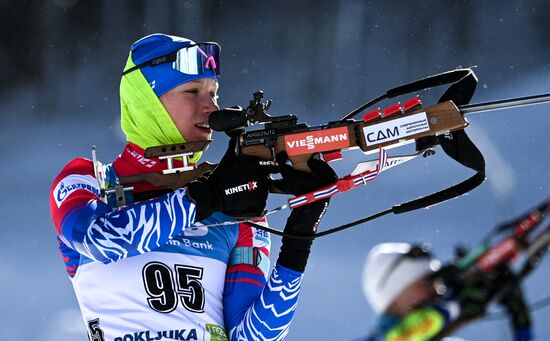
column 197, row 59
column 186, row 61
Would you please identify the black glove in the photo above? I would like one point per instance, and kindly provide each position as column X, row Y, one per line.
column 473, row 293
column 476, row 294
column 513, row 301
column 238, row 186
column 303, row 220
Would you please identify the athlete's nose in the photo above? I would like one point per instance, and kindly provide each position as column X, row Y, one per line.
column 209, row 105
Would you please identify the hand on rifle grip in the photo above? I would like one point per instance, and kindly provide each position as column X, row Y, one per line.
column 303, row 220
column 276, row 190
column 299, row 165
column 513, row 300
column 238, row 186
column 300, row 162
column 298, row 181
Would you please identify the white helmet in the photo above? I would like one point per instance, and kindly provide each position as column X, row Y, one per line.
column 390, row 268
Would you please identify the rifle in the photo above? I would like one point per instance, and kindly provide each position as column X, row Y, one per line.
column 489, row 258
column 440, row 124
column 379, row 130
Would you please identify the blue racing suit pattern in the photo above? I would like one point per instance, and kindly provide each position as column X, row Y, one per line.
column 277, row 303
column 90, row 230
column 105, row 235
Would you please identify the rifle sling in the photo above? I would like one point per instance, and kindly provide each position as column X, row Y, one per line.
column 459, row 147
column 456, row 144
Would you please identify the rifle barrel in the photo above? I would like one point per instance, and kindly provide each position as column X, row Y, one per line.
column 504, row 104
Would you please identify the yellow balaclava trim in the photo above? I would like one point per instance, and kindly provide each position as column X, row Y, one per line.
column 144, row 120
column 420, row 325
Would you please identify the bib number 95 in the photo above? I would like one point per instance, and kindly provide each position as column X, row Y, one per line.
column 166, row 287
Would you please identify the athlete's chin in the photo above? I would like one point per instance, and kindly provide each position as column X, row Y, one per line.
column 199, row 135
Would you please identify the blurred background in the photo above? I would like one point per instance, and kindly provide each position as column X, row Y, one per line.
column 60, row 68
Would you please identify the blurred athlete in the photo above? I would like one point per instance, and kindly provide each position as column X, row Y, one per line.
column 417, row 299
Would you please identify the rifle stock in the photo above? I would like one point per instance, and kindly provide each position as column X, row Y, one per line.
column 389, row 132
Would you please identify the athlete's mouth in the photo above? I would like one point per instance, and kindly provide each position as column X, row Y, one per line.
column 203, row 126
